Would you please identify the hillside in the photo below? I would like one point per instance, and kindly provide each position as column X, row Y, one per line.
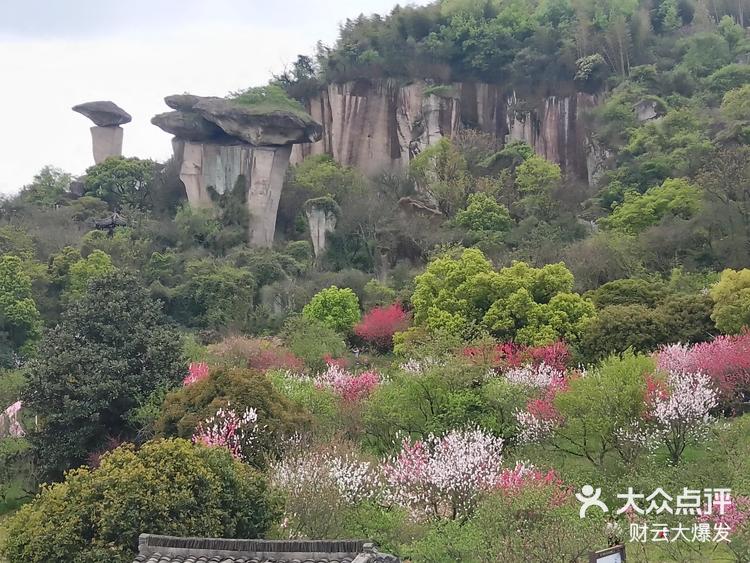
column 421, row 288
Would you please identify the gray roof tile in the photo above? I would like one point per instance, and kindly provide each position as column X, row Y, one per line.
column 169, row 549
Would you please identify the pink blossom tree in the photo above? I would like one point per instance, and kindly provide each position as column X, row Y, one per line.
column 197, row 371
column 444, row 476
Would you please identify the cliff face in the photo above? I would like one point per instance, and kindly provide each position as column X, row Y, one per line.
column 380, row 126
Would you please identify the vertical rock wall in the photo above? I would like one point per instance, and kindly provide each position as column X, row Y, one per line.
column 106, row 142
column 262, row 169
column 380, row 126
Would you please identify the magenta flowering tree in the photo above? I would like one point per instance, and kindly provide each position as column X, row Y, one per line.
column 726, row 360
column 197, row 371
column 228, row 429
column 444, row 476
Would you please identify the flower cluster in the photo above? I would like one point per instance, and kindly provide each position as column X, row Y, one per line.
column 733, row 516
column 690, row 399
column 308, row 471
column 726, row 360
column 444, row 475
column 511, row 355
column 197, row 371
column 227, row 429
column 10, row 424
column 379, row 325
column 540, row 375
column 350, row 387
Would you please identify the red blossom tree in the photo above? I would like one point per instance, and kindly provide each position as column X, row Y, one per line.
column 379, row 325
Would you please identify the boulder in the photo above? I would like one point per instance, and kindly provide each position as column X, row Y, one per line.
column 104, row 113
column 191, row 126
column 259, row 127
column 185, row 102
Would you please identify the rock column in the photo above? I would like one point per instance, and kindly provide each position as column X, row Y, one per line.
column 106, row 136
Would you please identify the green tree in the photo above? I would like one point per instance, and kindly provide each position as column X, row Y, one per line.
column 597, row 407
column 96, row 265
column 731, row 297
column 530, row 305
column 336, row 308
column 442, row 171
column 20, row 322
column 736, row 104
column 536, row 180
column 122, row 181
column 47, row 188
column 214, row 294
column 675, row 197
column 482, row 214
column 97, row 515
column 110, row 351
column 311, row 340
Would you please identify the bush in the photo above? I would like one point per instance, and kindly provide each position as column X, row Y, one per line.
column 732, row 301
column 379, row 325
column 336, row 308
column 185, row 408
column 256, row 353
column 97, row 515
column 311, row 340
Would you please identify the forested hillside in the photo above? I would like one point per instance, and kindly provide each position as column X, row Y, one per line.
column 435, row 358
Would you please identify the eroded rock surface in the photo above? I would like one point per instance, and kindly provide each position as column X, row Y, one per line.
column 104, row 113
column 219, row 143
column 106, row 142
column 381, row 125
column 322, row 221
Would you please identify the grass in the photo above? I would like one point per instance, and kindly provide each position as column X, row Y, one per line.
column 267, row 99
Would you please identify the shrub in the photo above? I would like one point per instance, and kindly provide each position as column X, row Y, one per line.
column 262, row 354
column 185, row 408
column 336, row 308
column 311, row 340
column 97, row 515
column 379, row 325
column 732, row 301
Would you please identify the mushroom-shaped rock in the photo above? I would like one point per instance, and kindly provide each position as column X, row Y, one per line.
column 191, row 126
column 259, row 126
column 185, row 102
column 104, row 113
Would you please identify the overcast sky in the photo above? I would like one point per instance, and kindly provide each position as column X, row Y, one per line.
column 58, row 53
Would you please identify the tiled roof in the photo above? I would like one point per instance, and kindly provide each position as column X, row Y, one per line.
column 168, row 549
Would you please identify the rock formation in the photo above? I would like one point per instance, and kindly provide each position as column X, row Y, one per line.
column 219, row 142
column 321, row 217
column 381, row 125
column 106, row 135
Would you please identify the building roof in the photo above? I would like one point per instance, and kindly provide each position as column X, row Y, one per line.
column 169, row 549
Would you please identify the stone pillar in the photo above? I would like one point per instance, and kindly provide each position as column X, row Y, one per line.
column 106, row 142
column 266, row 180
column 322, row 221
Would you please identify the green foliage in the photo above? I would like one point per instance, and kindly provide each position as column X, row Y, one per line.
column 111, row 349
column 122, row 181
column 320, row 175
column 310, row 340
column 185, row 407
column 377, row 294
column 196, row 226
column 214, row 294
column 267, row 99
column 20, row 322
column 47, row 188
column 731, row 297
column 529, row 525
column 17, row 242
column 482, row 214
column 536, row 181
column 597, row 406
column 521, row 303
column 705, row 52
column 98, row 515
column 674, row 198
column 336, row 308
column 442, row 171
column 735, row 105
column 80, row 273
column 321, row 404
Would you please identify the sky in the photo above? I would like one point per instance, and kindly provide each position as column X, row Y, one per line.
column 55, row 54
